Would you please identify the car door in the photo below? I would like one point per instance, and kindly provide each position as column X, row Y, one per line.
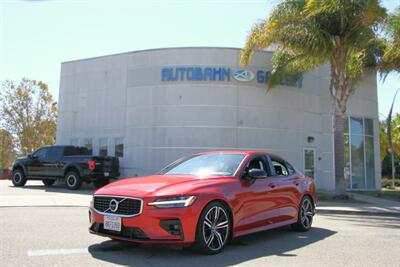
column 52, row 166
column 284, row 183
column 35, row 165
column 257, row 205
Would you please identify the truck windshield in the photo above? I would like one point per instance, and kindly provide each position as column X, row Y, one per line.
column 76, row 151
column 206, row 165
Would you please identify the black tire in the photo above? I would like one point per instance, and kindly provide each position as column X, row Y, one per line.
column 100, row 183
column 18, row 177
column 213, row 230
column 73, row 180
column 48, row 182
column 305, row 215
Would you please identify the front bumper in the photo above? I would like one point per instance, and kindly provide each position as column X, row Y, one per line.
column 153, row 225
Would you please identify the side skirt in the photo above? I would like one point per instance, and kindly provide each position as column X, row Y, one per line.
column 263, row 228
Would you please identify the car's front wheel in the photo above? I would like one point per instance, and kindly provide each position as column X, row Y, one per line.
column 18, row 178
column 213, row 229
column 305, row 215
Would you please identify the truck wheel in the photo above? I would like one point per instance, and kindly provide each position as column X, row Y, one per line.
column 100, row 183
column 18, row 178
column 73, row 180
column 48, row 182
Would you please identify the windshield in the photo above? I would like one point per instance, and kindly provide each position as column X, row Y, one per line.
column 206, row 165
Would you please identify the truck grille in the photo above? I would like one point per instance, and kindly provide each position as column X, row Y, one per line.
column 116, row 205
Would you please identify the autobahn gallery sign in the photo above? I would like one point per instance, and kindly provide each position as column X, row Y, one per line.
column 223, row 74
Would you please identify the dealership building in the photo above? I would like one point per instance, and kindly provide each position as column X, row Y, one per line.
column 152, row 107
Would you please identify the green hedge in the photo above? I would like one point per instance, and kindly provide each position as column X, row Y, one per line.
column 387, row 182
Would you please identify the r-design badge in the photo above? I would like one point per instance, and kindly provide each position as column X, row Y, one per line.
column 243, row 75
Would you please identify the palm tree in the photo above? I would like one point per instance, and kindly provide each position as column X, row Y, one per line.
column 310, row 33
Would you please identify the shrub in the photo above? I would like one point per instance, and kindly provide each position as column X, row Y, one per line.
column 387, row 182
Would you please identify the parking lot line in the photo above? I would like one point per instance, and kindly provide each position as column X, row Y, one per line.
column 53, row 252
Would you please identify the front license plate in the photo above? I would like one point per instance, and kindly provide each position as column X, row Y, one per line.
column 112, row 223
column 106, row 174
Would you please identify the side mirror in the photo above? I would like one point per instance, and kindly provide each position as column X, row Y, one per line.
column 30, row 156
column 257, row 174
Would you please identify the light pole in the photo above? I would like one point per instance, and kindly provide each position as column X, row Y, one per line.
column 390, row 141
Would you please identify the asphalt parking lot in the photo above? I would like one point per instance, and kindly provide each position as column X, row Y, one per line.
column 36, row 233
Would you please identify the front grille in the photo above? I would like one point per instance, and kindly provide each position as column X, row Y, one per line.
column 126, row 206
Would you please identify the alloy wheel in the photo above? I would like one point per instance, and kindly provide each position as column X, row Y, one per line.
column 306, row 213
column 71, row 180
column 17, row 177
column 216, row 228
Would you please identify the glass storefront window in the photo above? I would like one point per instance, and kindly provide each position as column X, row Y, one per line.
column 119, row 147
column 103, row 147
column 356, row 126
column 370, row 161
column 369, row 127
column 88, row 143
column 359, row 159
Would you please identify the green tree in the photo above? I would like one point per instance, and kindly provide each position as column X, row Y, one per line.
column 383, row 139
column 386, row 161
column 391, row 56
column 29, row 113
column 7, row 152
column 310, row 33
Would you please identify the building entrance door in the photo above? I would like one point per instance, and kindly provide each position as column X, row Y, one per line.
column 309, row 162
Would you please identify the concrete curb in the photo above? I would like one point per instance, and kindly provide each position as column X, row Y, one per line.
column 357, row 212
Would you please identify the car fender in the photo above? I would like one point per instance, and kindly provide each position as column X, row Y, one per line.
column 20, row 165
column 208, row 198
column 74, row 166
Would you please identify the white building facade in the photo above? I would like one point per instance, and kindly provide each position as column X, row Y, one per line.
column 152, row 107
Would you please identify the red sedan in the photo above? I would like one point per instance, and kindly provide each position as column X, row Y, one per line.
column 205, row 199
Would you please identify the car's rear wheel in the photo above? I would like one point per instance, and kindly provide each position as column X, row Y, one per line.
column 100, row 183
column 48, row 182
column 18, row 178
column 213, row 229
column 73, row 180
column 305, row 215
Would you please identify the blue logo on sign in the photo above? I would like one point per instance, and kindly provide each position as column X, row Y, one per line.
column 243, row 75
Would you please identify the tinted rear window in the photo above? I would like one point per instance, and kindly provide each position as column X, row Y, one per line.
column 76, row 151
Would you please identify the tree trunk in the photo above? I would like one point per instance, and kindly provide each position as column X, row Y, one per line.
column 340, row 92
column 340, row 188
column 393, row 170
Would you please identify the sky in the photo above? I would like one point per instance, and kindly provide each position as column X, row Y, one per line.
column 37, row 35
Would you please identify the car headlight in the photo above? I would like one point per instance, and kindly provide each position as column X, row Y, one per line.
column 173, row 202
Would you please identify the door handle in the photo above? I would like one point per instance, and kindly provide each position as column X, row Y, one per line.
column 296, row 183
column 272, row 185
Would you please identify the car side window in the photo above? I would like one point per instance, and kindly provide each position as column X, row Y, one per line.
column 54, row 153
column 279, row 167
column 290, row 168
column 40, row 154
column 258, row 163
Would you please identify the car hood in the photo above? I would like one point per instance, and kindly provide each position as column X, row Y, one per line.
column 155, row 185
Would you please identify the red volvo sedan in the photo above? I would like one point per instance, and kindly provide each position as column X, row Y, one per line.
column 205, row 199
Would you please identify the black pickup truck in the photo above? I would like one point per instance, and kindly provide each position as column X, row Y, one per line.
column 73, row 164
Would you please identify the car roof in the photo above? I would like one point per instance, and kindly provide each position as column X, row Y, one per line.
column 247, row 152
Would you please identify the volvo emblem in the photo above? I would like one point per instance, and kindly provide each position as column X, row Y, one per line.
column 113, row 206
column 244, row 75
